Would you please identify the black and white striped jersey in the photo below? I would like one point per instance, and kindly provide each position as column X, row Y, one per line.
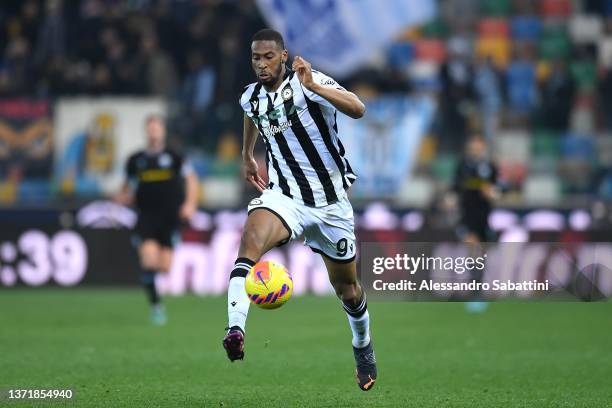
column 304, row 156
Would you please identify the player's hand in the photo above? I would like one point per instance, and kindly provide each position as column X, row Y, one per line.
column 187, row 211
column 303, row 69
column 123, row 198
column 251, row 174
column 489, row 192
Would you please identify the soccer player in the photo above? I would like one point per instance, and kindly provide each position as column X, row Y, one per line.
column 476, row 184
column 165, row 189
column 294, row 111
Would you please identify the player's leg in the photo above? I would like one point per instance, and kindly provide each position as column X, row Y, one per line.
column 343, row 277
column 264, row 229
column 149, row 252
column 156, row 257
column 165, row 259
column 476, row 226
column 331, row 233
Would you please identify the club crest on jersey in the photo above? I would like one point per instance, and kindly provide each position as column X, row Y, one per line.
column 165, row 160
column 287, row 93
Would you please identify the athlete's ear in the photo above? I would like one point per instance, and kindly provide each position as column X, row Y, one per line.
column 284, row 56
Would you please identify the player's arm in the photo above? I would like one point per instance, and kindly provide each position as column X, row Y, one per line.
column 249, row 164
column 190, row 205
column 125, row 196
column 343, row 100
column 491, row 189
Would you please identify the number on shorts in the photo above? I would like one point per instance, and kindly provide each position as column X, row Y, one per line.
column 342, row 247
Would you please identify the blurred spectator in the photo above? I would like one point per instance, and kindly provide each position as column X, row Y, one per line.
column 159, row 69
column 16, row 67
column 457, row 77
column 605, row 98
column 557, row 95
column 226, row 162
column 521, row 80
column 487, row 84
column 52, row 36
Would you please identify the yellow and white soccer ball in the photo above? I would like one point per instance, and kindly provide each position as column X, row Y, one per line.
column 268, row 285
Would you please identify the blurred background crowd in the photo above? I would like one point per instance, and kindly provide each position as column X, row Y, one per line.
column 533, row 77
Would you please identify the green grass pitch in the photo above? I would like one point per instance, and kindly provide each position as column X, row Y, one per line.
column 100, row 344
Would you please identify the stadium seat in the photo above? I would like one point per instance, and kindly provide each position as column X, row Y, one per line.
column 525, row 28
column 424, row 75
column 221, row 192
column 545, row 143
column 604, row 189
column 498, row 49
column 415, row 191
column 512, row 146
column 443, row 167
column 493, row 27
column 542, row 190
column 400, row 54
column 582, row 120
column 546, row 165
column 427, row 150
column 435, row 29
column 512, row 173
column 585, row 100
column 576, row 146
column 603, row 145
column 460, row 45
column 576, row 175
column 584, row 73
column 8, row 192
column 34, row 190
column 555, row 8
column 585, row 29
column 543, row 70
column 498, row 8
column 604, row 52
column 554, row 44
column 521, row 76
column 430, row 50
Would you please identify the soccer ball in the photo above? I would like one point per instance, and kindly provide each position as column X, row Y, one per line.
column 268, row 285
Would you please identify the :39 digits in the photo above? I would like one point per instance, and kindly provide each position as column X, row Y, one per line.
column 36, row 258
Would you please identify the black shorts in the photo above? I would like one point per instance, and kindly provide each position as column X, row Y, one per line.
column 477, row 224
column 159, row 227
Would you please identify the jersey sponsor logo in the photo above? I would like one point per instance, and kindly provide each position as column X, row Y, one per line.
column 276, row 114
column 256, row 201
column 153, row 175
column 327, row 81
column 272, row 130
column 255, row 104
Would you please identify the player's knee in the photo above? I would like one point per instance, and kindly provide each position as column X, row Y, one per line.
column 348, row 292
column 149, row 256
column 165, row 264
column 148, row 260
column 148, row 263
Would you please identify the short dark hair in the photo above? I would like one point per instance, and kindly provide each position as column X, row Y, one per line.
column 267, row 34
